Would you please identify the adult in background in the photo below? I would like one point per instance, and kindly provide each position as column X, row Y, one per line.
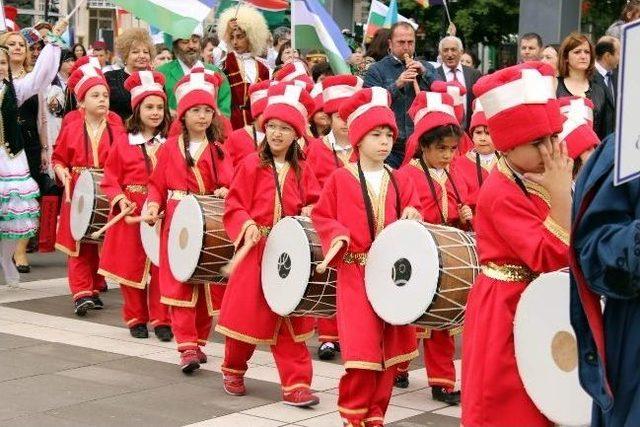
column 451, row 50
column 399, row 73
column 187, row 53
column 530, row 47
column 575, row 72
column 469, row 59
column 607, row 60
column 78, row 50
column 550, row 56
column 281, row 35
column 208, row 44
column 377, row 49
column 163, row 55
column 136, row 49
column 630, row 13
column 245, row 32
column 99, row 50
column 286, row 54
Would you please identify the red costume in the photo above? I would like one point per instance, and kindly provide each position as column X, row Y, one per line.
column 517, row 240
column 123, row 260
column 191, row 305
column 473, row 173
column 370, row 348
column 241, row 143
column 76, row 150
column 240, row 102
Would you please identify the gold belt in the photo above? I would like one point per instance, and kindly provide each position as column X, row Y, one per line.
column 509, row 272
column 177, row 194
column 136, row 188
column 358, row 258
column 264, row 230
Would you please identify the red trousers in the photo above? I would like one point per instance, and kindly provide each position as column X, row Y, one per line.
column 84, row 280
column 292, row 360
column 143, row 305
column 327, row 330
column 438, row 359
column 364, row 396
column 191, row 325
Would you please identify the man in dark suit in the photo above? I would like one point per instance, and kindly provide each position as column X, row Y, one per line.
column 606, row 75
column 451, row 50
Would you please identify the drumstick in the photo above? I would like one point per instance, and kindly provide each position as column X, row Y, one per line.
column 228, row 269
column 111, row 222
column 67, row 190
column 331, row 254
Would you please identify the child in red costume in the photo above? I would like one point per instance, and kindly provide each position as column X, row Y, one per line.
column 333, row 152
column 577, row 130
column 126, row 177
column 83, row 143
column 474, row 167
column 522, row 222
column 357, row 202
column 443, row 196
column 191, row 162
column 254, row 205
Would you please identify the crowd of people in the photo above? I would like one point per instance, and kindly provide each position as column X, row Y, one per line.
column 243, row 116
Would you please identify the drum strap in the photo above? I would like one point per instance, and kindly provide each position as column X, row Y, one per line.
column 518, row 181
column 367, row 203
column 147, row 161
column 335, row 156
column 255, row 136
column 277, row 183
column 214, row 168
column 432, row 187
column 86, row 141
column 397, row 190
column 479, row 169
column 455, row 187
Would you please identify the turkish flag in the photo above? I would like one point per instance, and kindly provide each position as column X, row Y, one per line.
column 273, row 5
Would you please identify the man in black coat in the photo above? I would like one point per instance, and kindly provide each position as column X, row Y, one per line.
column 606, row 75
column 451, row 50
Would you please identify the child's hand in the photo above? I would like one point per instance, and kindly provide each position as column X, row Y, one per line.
column 252, row 234
column 466, row 214
column 411, row 213
column 558, row 168
column 125, row 205
column 152, row 213
column 63, row 174
column 221, row 192
column 306, row 211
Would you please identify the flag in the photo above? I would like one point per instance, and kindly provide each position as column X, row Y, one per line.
column 275, row 18
column 313, row 28
column 392, row 14
column 377, row 15
column 176, row 17
column 270, row 5
column 160, row 37
column 426, row 3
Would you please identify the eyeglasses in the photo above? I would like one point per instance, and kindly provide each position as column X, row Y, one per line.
column 272, row 128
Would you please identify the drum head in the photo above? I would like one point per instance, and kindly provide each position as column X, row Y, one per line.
column 150, row 237
column 185, row 238
column 401, row 275
column 82, row 205
column 286, row 266
column 547, row 353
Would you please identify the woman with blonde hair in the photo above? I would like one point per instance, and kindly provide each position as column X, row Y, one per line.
column 136, row 49
column 576, row 65
column 245, row 32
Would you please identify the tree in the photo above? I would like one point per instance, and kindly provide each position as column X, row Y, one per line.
column 598, row 15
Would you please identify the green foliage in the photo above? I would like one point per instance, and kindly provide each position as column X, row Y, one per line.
column 598, row 15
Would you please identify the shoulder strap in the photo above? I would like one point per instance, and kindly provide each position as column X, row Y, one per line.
column 367, row 203
column 432, row 187
column 478, row 169
column 147, row 161
column 277, row 183
column 397, row 190
column 455, row 187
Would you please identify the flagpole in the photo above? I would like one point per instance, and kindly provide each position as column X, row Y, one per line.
column 446, row 9
column 293, row 27
column 75, row 9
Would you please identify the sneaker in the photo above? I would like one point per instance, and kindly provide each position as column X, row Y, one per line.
column 301, row 397
column 97, row 302
column 441, row 394
column 234, row 385
column 401, row 380
column 163, row 332
column 327, row 350
column 189, row 361
column 83, row 305
column 139, row 331
column 201, row 356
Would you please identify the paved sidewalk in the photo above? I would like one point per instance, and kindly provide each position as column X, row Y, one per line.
column 60, row 370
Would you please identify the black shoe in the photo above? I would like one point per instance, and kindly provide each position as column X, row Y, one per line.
column 401, row 380
column 26, row 268
column 163, row 332
column 442, row 395
column 97, row 303
column 83, row 305
column 327, row 350
column 139, row 331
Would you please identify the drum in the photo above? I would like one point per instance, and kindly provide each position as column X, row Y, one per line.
column 198, row 246
column 547, row 351
column 421, row 273
column 290, row 283
column 89, row 207
column 150, row 237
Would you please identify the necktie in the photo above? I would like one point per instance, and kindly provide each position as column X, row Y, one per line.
column 610, row 84
column 455, row 75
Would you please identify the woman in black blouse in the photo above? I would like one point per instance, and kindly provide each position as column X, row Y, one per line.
column 576, row 65
column 136, row 49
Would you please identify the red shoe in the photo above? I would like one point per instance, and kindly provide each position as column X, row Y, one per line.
column 202, row 358
column 300, row 397
column 189, row 361
column 234, row 385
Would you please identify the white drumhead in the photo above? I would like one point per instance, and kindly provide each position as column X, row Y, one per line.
column 286, row 266
column 546, row 351
column 186, row 233
column 150, row 237
column 401, row 275
column 82, row 205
